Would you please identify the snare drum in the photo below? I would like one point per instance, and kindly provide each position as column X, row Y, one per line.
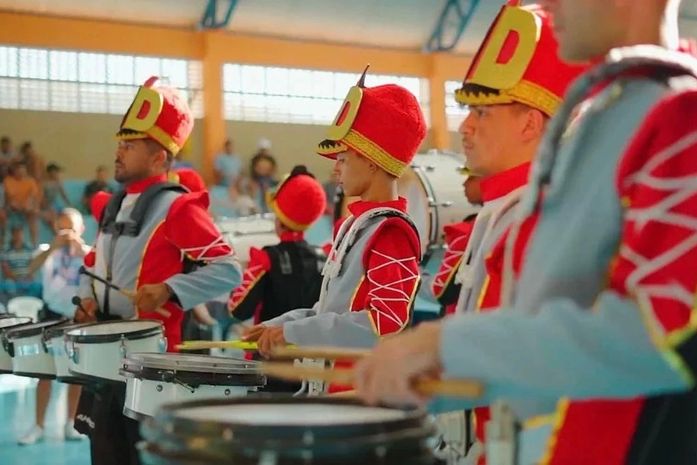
column 55, row 344
column 157, row 379
column 286, row 431
column 6, row 324
column 30, row 356
column 247, row 232
column 95, row 350
column 433, row 189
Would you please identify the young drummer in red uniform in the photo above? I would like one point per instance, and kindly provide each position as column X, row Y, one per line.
column 372, row 272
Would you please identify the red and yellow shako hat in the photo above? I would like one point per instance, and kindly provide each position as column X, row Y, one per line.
column 383, row 123
column 518, row 62
column 158, row 113
column 298, row 201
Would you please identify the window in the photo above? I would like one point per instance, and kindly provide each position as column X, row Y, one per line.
column 454, row 112
column 284, row 95
column 71, row 81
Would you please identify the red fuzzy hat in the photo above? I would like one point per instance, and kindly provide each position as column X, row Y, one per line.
column 189, row 178
column 518, row 62
column 383, row 123
column 298, row 201
column 158, row 113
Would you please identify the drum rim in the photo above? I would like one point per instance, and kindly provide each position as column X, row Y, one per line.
column 168, row 411
column 114, row 337
column 59, row 331
column 5, row 329
column 216, row 364
column 194, row 378
column 33, row 329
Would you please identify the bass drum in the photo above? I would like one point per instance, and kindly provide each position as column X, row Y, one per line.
column 434, row 192
column 247, row 232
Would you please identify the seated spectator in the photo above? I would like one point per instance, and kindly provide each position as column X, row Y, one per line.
column 53, row 194
column 99, row 184
column 22, row 199
column 263, row 172
column 16, row 260
column 242, row 195
column 228, row 166
column 36, row 167
column 60, row 266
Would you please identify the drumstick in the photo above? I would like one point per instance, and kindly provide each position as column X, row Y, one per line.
column 198, row 345
column 129, row 294
column 428, row 387
column 329, row 353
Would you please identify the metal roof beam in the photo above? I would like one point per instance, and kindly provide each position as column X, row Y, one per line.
column 452, row 22
column 210, row 15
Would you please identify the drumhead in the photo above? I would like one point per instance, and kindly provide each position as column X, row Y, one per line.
column 109, row 331
column 262, row 414
column 313, row 430
column 33, row 329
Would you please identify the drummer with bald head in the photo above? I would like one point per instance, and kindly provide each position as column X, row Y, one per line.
column 372, row 272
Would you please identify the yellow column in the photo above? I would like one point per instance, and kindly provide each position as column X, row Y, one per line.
column 439, row 123
column 213, row 120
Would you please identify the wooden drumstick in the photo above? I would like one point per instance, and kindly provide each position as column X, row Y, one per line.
column 328, row 353
column 428, row 387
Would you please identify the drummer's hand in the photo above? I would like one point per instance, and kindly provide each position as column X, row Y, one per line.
column 203, row 316
column 388, row 373
column 152, row 296
column 252, row 333
column 89, row 314
column 272, row 337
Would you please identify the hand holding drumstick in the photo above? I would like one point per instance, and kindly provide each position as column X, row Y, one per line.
column 148, row 298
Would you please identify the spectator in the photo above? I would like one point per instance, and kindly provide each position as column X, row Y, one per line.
column 36, row 167
column 6, row 151
column 53, row 189
column 228, row 166
column 60, row 265
column 23, row 198
column 99, row 184
column 242, row 195
column 263, row 172
column 330, row 192
column 6, row 156
column 16, row 261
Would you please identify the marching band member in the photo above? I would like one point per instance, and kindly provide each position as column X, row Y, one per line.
column 149, row 235
column 372, row 272
column 603, row 303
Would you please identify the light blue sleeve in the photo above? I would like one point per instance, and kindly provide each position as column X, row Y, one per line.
column 564, row 350
column 206, row 283
column 293, row 315
column 350, row 329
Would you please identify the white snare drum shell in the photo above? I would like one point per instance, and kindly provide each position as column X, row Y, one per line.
column 95, row 351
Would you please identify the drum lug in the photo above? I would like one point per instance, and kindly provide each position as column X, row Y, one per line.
column 122, row 347
column 72, row 351
column 44, row 342
column 191, row 389
column 162, row 344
